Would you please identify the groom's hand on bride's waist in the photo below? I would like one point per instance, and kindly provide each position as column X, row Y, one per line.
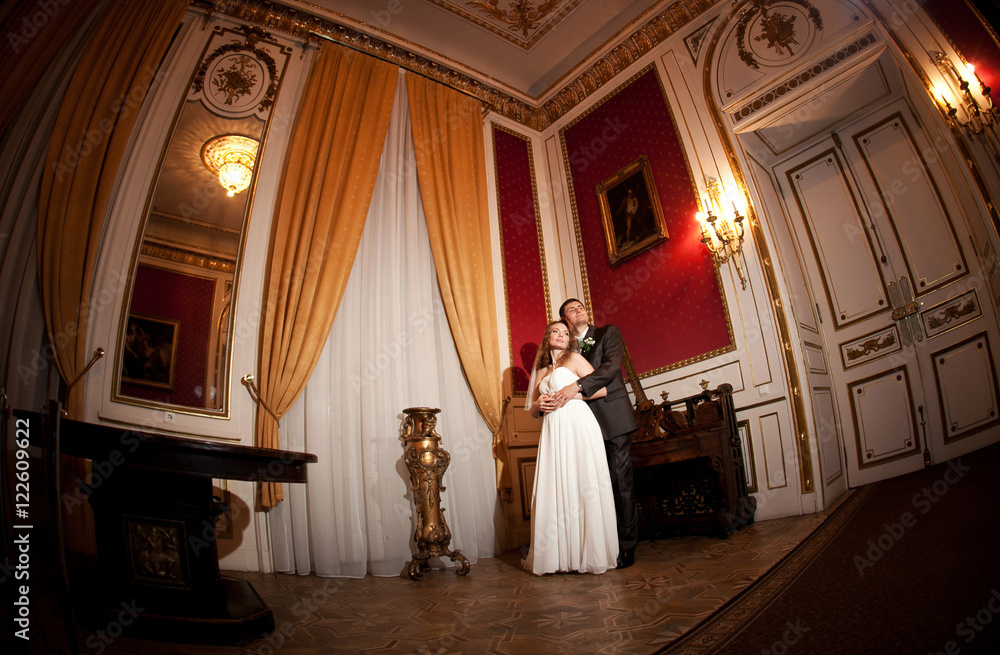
column 566, row 394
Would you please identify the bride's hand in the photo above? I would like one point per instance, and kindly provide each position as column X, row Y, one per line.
column 547, row 403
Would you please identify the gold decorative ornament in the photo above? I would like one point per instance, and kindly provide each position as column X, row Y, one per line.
column 231, row 157
column 776, row 31
column 236, row 81
column 978, row 117
column 155, row 552
column 522, row 15
column 427, row 461
column 770, row 276
column 722, row 237
column 242, row 74
column 645, row 37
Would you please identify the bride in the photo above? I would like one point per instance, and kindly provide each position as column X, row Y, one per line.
column 573, row 526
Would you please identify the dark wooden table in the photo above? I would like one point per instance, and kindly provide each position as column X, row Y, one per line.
column 155, row 518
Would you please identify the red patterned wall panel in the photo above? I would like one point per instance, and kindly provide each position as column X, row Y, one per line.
column 173, row 296
column 525, row 285
column 666, row 300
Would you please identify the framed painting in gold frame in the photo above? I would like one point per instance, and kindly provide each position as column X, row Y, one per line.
column 150, row 353
column 630, row 211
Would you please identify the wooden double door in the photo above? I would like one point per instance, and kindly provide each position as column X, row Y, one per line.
column 891, row 252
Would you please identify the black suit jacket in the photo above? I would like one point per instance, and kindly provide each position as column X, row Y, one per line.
column 614, row 411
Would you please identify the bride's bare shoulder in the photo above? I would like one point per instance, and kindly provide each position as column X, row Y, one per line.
column 578, row 364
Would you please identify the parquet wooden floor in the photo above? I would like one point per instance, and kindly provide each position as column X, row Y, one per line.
column 499, row 608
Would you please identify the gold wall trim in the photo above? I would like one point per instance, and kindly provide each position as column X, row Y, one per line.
column 869, row 347
column 309, row 27
column 991, row 205
column 866, row 457
column 799, row 419
column 538, row 231
column 588, row 301
column 842, row 57
column 952, row 313
column 654, row 32
column 189, row 257
column 521, row 28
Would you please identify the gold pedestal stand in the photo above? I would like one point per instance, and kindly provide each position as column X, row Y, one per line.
column 427, row 462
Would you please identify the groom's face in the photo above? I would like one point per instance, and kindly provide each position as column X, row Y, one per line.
column 576, row 315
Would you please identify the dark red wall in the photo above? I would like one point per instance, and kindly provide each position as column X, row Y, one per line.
column 187, row 299
column 524, row 277
column 666, row 301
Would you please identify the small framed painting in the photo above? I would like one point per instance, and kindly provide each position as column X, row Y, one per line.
column 150, row 351
column 630, row 211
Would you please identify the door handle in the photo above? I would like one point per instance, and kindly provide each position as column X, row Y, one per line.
column 908, row 309
column 904, row 311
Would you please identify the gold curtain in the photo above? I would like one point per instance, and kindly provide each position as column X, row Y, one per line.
column 326, row 189
column 35, row 32
column 451, row 166
column 116, row 71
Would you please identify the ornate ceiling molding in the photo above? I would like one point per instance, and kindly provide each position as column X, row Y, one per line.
column 310, row 28
column 654, row 32
column 183, row 255
column 523, row 23
column 777, row 91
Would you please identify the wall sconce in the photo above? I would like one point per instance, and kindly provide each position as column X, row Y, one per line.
column 724, row 238
column 231, row 157
column 979, row 114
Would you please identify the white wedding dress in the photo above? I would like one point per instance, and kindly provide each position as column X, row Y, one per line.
column 573, row 525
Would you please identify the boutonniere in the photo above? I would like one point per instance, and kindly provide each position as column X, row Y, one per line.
column 586, row 344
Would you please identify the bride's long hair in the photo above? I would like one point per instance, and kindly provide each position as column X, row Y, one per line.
column 544, row 358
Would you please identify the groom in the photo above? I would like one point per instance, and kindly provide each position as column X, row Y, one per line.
column 604, row 350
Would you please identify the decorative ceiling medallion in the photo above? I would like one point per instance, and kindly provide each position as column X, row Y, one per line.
column 234, row 81
column 775, row 36
column 239, row 78
column 522, row 16
column 519, row 21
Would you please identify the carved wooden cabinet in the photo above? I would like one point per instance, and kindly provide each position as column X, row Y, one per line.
column 689, row 469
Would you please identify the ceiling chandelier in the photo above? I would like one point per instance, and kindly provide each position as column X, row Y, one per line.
column 231, row 157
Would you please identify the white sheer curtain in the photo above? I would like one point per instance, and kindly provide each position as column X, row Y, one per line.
column 390, row 348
